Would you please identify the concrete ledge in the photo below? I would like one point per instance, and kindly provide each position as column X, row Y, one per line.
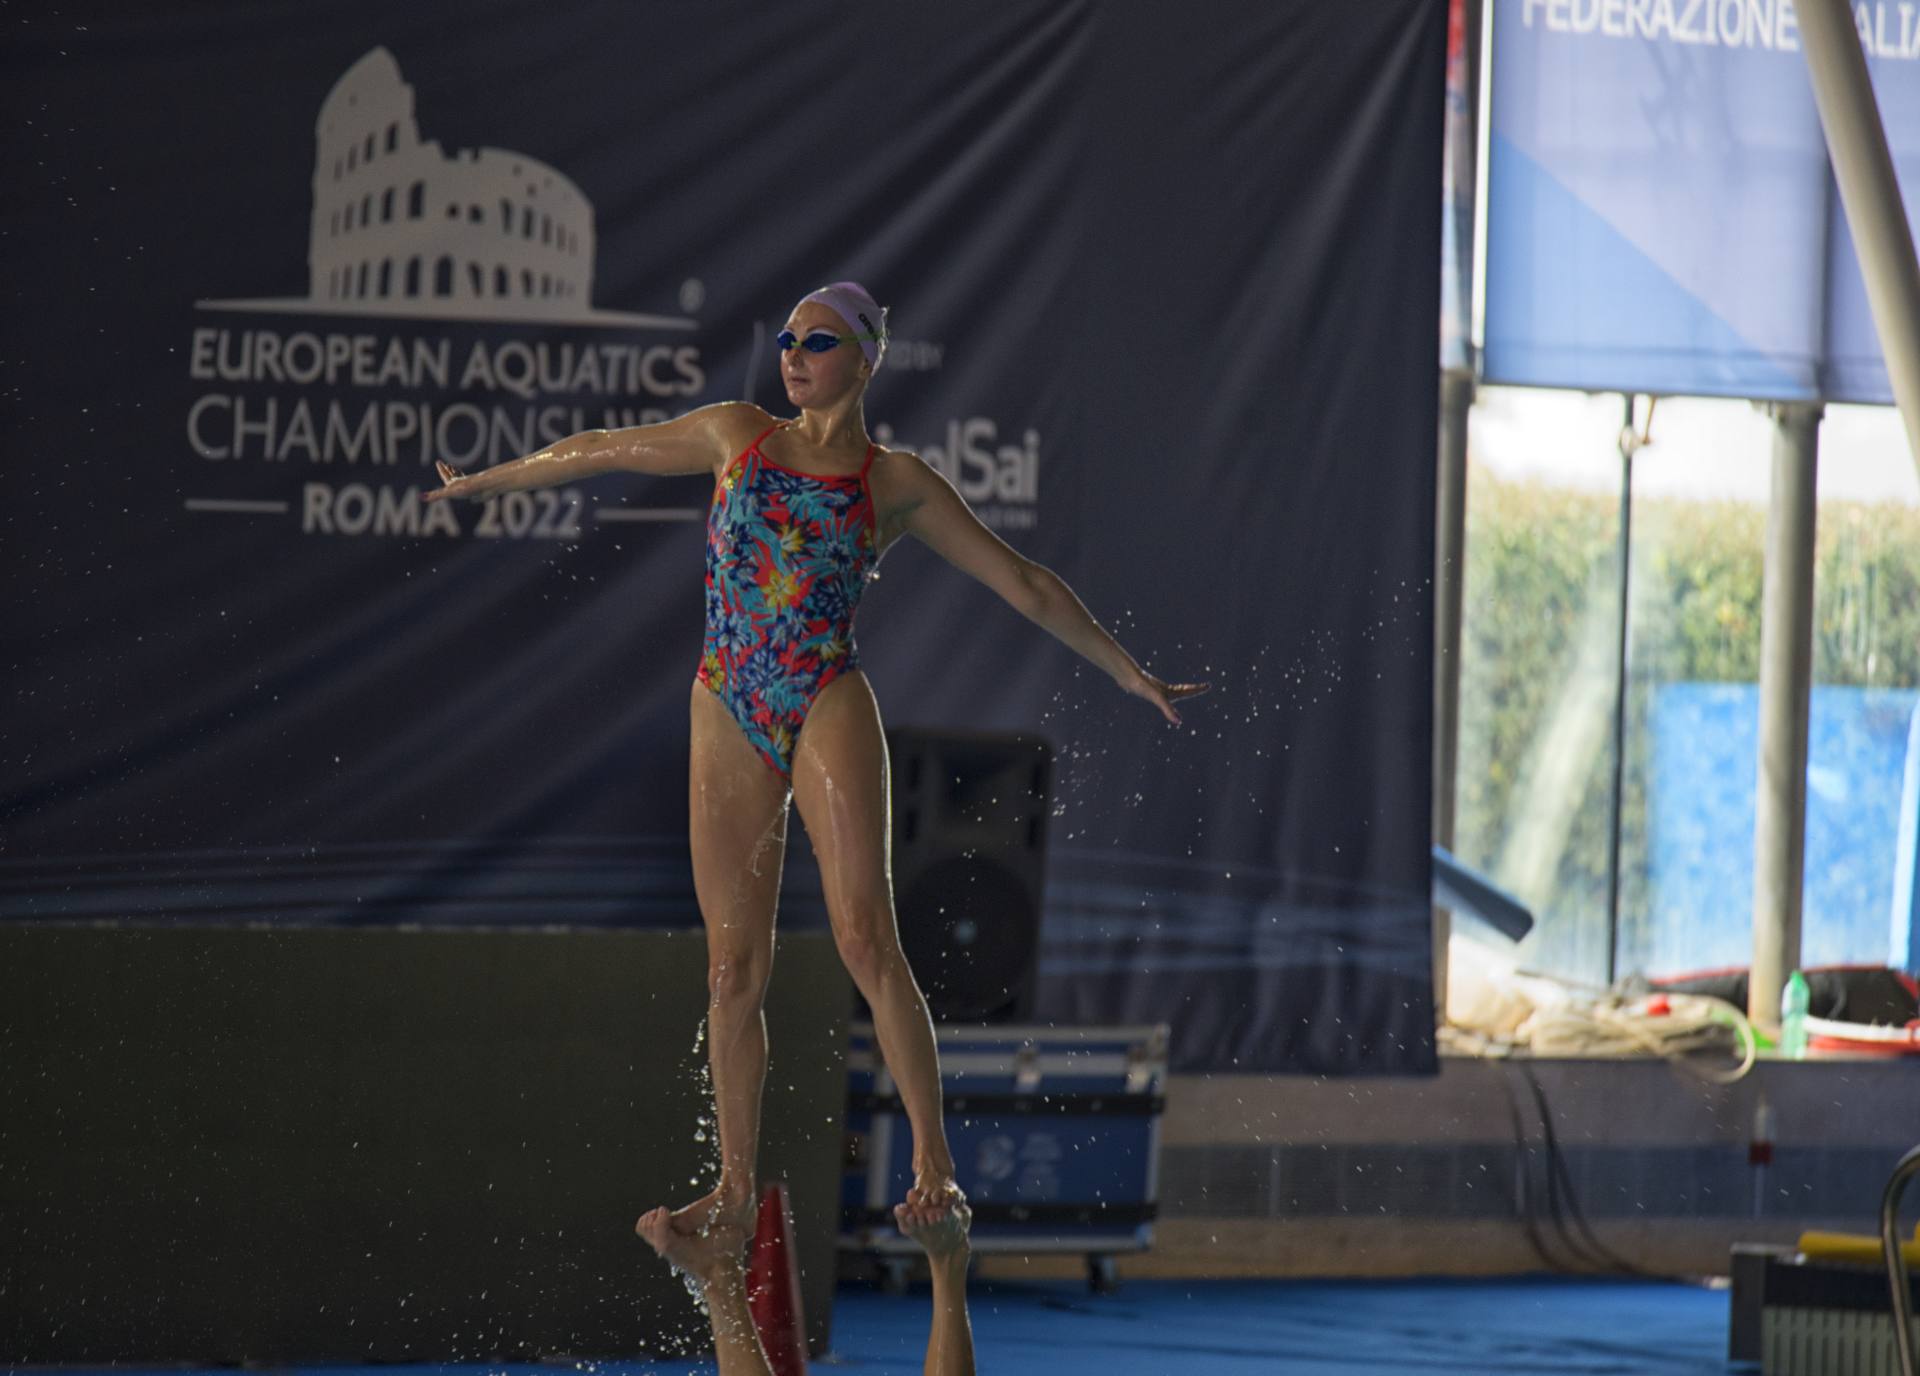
column 1855, row 1101
column 1281, row 1176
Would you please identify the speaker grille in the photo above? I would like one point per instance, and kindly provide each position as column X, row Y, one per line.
column 967, row 927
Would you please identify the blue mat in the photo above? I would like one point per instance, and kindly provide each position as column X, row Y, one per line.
column 1309, row 1328
column 1528, row 1327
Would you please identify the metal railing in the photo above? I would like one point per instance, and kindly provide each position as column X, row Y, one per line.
column 1896, row 1264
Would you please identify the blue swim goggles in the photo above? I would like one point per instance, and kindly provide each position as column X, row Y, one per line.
column 816, row 342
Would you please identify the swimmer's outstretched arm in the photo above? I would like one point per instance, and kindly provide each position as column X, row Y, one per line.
column 692, row 443
column 737, row 1348
column 940, row 517
column 944, row 1237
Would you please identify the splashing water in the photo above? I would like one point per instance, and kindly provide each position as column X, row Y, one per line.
column 695, row 1289
column 708, row 1119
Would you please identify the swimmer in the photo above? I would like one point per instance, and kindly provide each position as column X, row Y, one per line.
column 802, row 510
column 713, row 1262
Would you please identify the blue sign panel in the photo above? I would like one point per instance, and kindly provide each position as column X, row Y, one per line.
column 1661, row 214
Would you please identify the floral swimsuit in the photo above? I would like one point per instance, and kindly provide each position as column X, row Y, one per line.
column 788, row 555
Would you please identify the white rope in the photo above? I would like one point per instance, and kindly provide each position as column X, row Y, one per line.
column 1611, row 1025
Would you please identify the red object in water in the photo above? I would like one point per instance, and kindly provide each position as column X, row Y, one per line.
column 773, row 1286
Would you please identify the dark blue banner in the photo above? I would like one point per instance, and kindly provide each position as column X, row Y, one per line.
column 1163, row 298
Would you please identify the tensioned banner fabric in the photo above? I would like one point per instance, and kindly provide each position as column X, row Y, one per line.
column 1661, row 212
column 1162, row 287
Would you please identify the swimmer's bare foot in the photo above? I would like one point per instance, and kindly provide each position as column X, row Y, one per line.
column 701, row 1255
column 724, row 1207
column 942, row 1232
column 934, row 1191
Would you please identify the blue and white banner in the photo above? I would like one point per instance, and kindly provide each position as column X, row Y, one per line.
column 1661, row 214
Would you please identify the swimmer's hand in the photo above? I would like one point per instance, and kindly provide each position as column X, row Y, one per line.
column 455, row 483
column 1160, row 693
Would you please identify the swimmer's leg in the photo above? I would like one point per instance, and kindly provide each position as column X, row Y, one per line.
column 713, row 1261
column 943, row 1234
column 840, row 784
column 737, row 818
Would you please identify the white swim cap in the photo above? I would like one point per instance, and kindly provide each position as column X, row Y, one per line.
column 854, row 304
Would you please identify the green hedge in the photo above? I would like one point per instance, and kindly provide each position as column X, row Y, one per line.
column 1541, row 614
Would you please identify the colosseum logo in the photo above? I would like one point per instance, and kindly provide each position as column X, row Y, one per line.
column 400, row 230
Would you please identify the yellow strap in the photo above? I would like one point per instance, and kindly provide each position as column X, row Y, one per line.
column 1817, row 1246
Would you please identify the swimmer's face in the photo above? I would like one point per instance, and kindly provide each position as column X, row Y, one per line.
column 820, row 380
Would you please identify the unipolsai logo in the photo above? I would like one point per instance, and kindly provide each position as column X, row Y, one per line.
column 463, row 287
column 998, row 475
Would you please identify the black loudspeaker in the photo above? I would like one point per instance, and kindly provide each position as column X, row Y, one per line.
column 969, row 850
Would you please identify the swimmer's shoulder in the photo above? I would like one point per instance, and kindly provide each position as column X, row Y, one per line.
column 900, row 474
column 902, row 463
column 735, row 425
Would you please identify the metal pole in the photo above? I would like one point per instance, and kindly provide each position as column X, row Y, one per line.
column 1449, row 580
column 1628, row 443
column 1786, row 673
column 1857, row 144
column 1450, row 501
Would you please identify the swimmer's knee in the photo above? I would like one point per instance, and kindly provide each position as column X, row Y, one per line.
column 738, row 979
column 868, row 947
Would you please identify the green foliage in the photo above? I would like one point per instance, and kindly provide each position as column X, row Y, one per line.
column 1538, row 653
